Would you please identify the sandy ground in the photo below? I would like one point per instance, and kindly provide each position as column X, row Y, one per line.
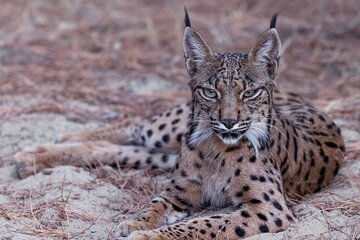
column 75, row 203
column 71, row 65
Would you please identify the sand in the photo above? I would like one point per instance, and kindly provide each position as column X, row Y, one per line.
column 77, row 203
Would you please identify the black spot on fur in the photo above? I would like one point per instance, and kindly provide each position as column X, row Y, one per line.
column 137, row 164
column 125, row 160
column 240, row 232
column 179, row 137
column 305, row 138
column 295, row 149
column 321, row 117
column 307, row 175
column 183, row 173
column 223, row 162
column 149, row 133
column 149, row 160
column 175, row 121
column 262, row 179
column 158, row 144
column 277, row 205
column 289, row 218
column 342, row 148
column 164, row 158
column 166, row 138
column 263, row 228
column 312, row 158
column 253, row 177
column 239, row 194
column 287, row 140
column 252, row 159
column 266, row 197
column 245, row 214
column 179, row 111
column 336, row 168
column 278, row 222
column 179, row 188
column 197, row 165
column 322, row 175
column 331, row 145
column 262, row 217
column 255, row 201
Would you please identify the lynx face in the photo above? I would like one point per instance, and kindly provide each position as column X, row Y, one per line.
column 232, row 92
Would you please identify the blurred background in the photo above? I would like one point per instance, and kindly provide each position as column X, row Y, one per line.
column 126, row 56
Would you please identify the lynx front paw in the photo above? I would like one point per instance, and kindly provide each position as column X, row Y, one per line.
column 128, row 227
column 125, row 228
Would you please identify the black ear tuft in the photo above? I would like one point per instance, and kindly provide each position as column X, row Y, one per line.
column 187, row 19
column 273, row 20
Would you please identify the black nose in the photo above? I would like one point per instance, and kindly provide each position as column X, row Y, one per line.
column 229, row 122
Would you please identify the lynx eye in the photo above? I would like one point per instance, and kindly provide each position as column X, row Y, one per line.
column 209, row 93
column 251, row 93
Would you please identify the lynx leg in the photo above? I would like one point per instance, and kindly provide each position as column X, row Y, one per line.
column 121, row 133
column 33, row 160
column 162, row 132
column 243, row 222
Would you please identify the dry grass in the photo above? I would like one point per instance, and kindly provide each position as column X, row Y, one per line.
column 69, row 50
column 134, row 184
column 88, row 51
column 33, row 210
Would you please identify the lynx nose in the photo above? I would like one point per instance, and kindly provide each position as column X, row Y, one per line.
column 228, row 122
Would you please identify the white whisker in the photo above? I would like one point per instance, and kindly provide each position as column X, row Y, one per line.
column 256, row 133
column 201, row 133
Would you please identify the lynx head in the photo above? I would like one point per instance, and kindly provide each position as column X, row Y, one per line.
column 231, row 92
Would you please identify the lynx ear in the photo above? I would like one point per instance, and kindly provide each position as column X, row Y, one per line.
column 267, row 49
column 196, row 52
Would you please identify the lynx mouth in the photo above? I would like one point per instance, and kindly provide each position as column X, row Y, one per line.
column 230, row 137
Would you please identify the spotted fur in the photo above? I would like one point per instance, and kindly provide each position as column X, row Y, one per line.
column 244, row 146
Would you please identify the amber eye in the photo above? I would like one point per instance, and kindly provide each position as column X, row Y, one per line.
column 209, row 93
column 251, row 93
